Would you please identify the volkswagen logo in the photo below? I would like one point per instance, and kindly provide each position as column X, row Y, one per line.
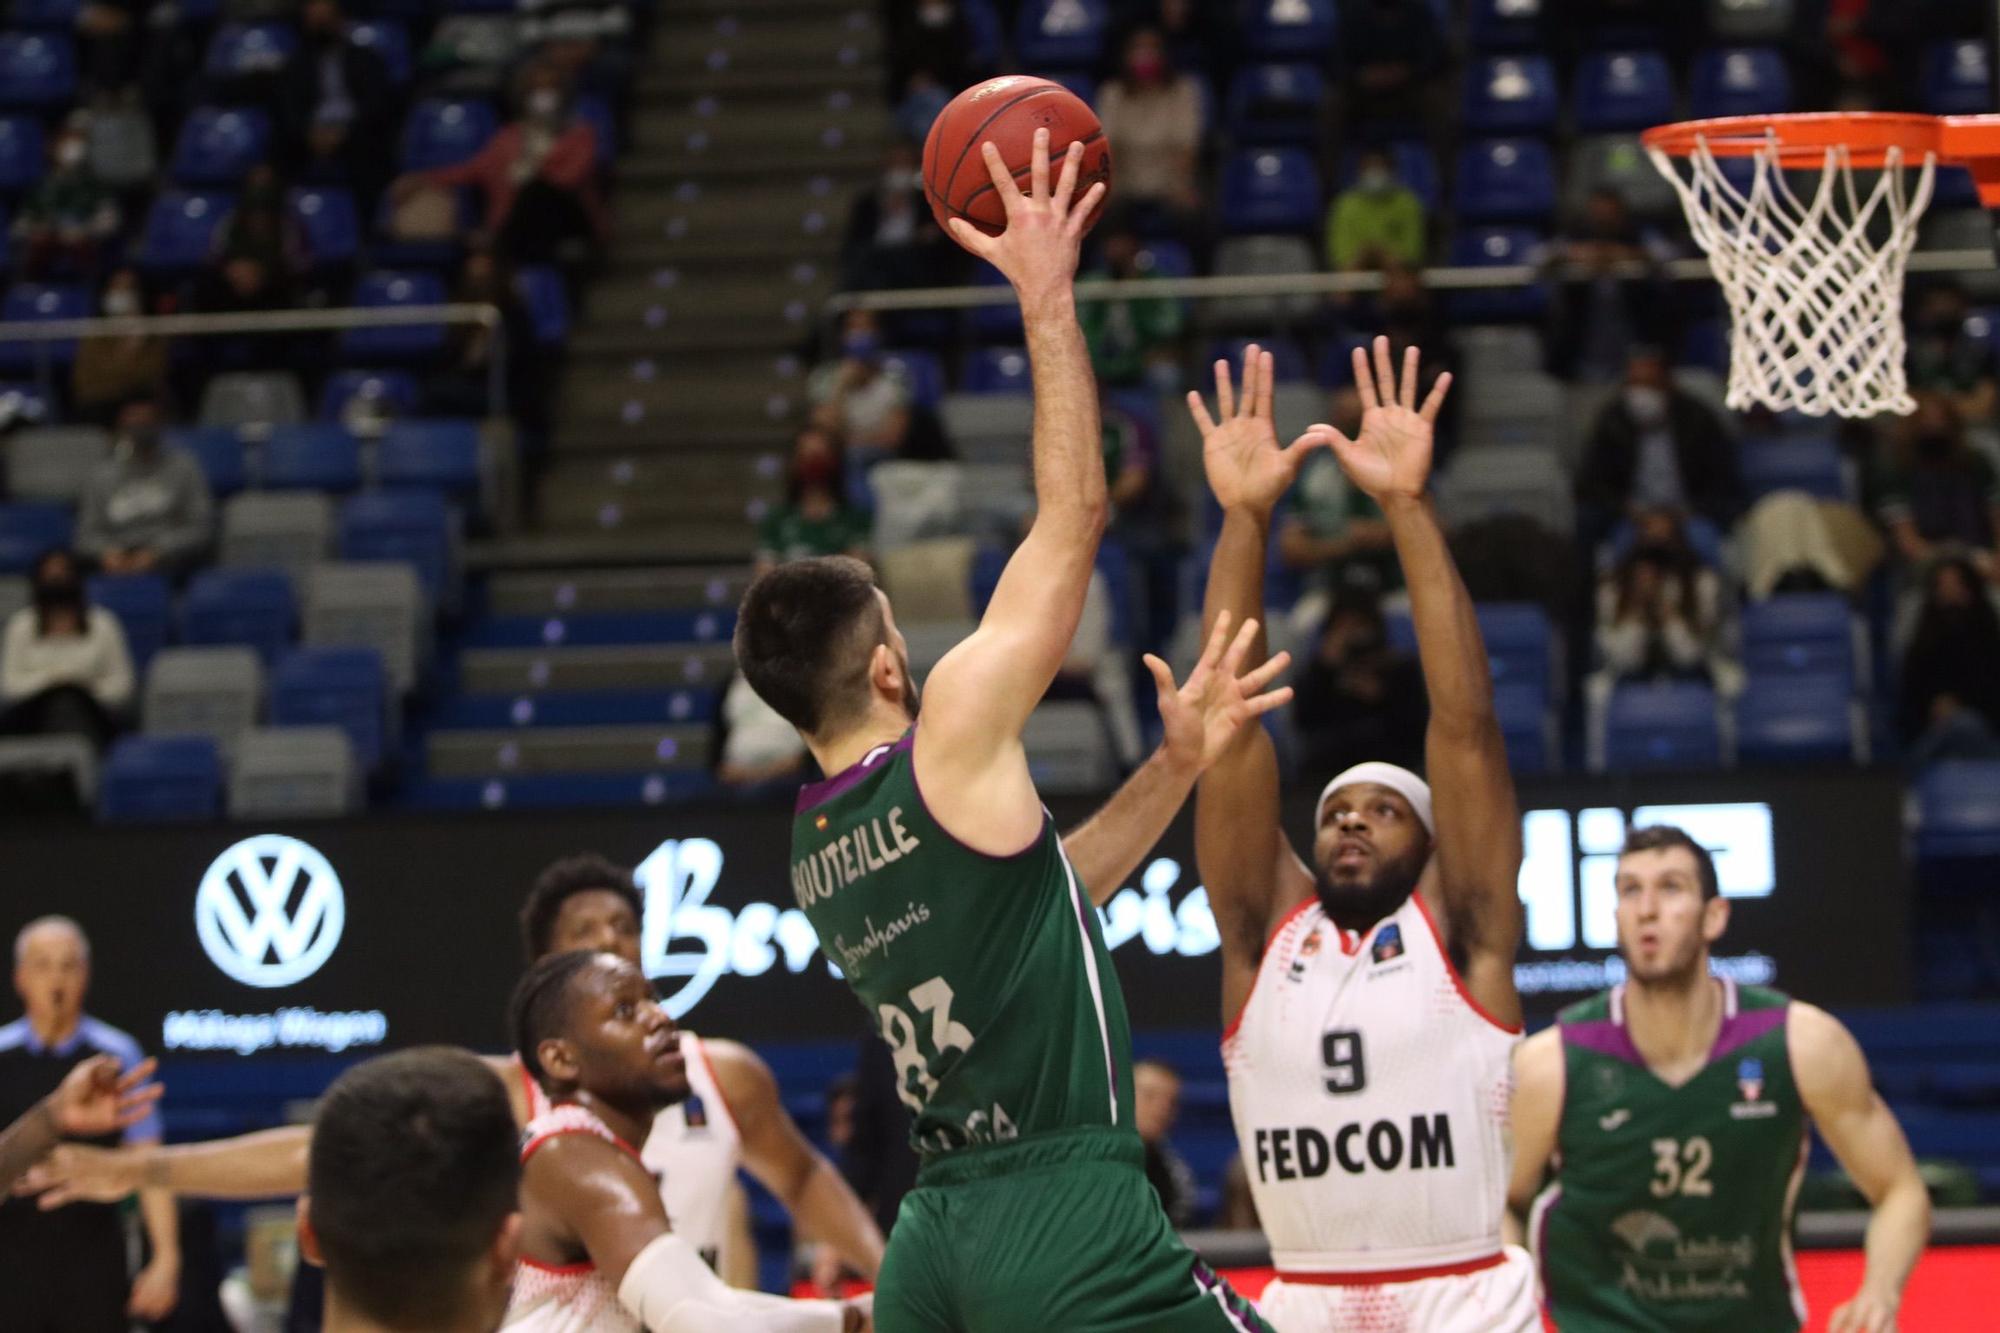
column 269, row 911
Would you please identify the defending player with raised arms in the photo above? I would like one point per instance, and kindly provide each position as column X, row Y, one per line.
column 1370, row 993
column 1673, row 1111
column 932, row 874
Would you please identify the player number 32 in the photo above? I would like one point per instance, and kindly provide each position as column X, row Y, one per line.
column 1682, row 1168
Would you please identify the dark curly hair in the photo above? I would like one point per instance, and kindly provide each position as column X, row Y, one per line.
column 540, row 1005
column 584, row 873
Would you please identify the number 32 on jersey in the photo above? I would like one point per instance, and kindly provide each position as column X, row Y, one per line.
column 1682, row 1168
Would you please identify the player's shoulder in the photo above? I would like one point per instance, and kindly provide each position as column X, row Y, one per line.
column 14, row 1035
column 1591, row 1009
column 111, row 1041
column 1538, row 1060
column 1752, row 998
column 1814, row 1035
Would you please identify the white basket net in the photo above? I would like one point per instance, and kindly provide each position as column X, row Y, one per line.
column 1815, row 286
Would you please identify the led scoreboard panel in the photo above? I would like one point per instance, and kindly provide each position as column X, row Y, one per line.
column 346, row 936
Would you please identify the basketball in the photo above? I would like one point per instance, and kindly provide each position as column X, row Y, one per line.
column 1008, row 110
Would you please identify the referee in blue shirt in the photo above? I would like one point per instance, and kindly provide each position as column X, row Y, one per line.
column 65, row 1271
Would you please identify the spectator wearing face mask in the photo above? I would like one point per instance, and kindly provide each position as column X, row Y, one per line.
column 873, row 402
column 336, row 107
column 1950, row 698
column 64, row 666
column 1358, row 698
column 1153, row 113
column 538, row 173
column 815, row 518
column 1935, row 494
column 1659, row 609
column 114, row 368
column 1134, row 340
column 67, row 218
column 1944, row 358
column 892, row 240
column 1611, row 295
column 147, row 509
column 1377, row 222
column 1655, row 447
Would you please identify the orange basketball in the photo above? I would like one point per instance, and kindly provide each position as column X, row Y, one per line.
column 1007, row 111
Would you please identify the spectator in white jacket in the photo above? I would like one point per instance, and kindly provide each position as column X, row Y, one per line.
column 64, row 666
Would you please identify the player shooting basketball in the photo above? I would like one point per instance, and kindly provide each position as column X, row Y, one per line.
column 1677, row 1104
column 1371, row 991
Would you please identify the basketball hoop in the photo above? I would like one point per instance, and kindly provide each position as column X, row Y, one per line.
column 1814, row 276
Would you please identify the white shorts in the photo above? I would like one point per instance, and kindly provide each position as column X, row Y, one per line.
column 1500, row 1299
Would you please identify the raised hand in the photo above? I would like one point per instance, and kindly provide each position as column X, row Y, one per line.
column 1868, row 1312
column 79, row 1173
column 94, row 1100
column 1392, row 458
column 1203, row 716
column 1038, row 250
column 1246, row 467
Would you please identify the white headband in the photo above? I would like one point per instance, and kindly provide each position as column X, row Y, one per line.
column 1399, row 780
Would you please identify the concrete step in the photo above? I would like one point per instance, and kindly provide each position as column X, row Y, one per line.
column 606, row 398
column 638, row 490
column 472, row 754
column 637, row 667
column 845, row 169
column 849, row 39
column 766, row 8
column 716, row 253
column 774, row 212
column 586, row 440
column 676, row 293
column 720, row 128
column 677, row 86
column 596, row 591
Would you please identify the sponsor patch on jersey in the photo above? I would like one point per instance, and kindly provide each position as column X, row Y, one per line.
column 695, row 1112
column 1388, row 943
column 1750, row 1082
column 819, row 822
column 1308, row 948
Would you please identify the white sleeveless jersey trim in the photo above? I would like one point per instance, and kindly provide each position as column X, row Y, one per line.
column 1370, row 1094
column 695, row 1163
column 564, row 1298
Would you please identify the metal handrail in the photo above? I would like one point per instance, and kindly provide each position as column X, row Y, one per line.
column 44, row 331
column 1330, row 284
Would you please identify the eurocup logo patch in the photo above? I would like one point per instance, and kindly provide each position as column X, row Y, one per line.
column 1750, row 1079
column 1388, row 943
column 270, row 911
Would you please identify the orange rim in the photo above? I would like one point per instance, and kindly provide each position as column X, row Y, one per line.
column 1801, row 141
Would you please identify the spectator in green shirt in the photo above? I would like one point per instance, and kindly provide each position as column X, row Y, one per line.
column 1132, row 338
column 1376, row 223
column 67, row 218
column 815, row 518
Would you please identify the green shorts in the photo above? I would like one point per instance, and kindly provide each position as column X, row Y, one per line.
column 1060, row 1233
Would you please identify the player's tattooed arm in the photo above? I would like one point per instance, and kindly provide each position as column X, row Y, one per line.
column 1536, row 1115
column 1253, row 875
column 1478, row 857
column 1862, row 1132
column 785, row 1162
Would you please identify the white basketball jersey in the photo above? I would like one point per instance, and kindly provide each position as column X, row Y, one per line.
column 570, row 1298
column 1370, row 1097
column 693, row 1151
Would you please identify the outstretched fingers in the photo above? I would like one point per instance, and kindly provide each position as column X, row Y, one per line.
column 1434, row 402
column 1254, row 682
column 1198, row 409
column 1385, row 372
column 973, row 239
column 1407, row 391
column 1253, row 365
column 1072, row 166
column 1003, row 179
column 1038, row 170
column 1232, row 664
column 1225, row 391
column 1086, row 208
column 1364, row 381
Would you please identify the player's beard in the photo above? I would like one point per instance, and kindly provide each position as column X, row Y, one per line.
column 1682, row 971
column 911, row 699
column 1358, row 904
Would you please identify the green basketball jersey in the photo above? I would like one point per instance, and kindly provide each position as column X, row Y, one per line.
column 987, row 976
column 1671, row 1207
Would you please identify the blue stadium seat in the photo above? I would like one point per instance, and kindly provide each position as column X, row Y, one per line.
column 56, row 15
column 397, row 390
column 1801, row 634
column 23, row 155
column 1506, row 25
column 1496, row 247
column 30, row 403
column 1061, row 34
column 442, row 132
column 1662, row 726
column 390, row 41
column 1288, row 359
column 1511, row 94
column 219, row 145
column 220, row 452
column 1794, row 718
column 1958, row 806
column 1809, row 463
column 1162, row 257
column 252, row 607
column 542, row 291
column 1523, row 711
column 1415, row 165
column 437, row 455
column 1291, row 29
column 144, row 605
column 345, row 687
column 329, row 222
column 160, row 778
column 1704, row 538
column 998, row 370
column 1270, row 190
column 247, row 50
column 415, row 527
column 921, row 370
column 1957, row 78
column 1276, row 104
column 988, row 46
column 27, row 530
column 311, row 456
column 1506, row 180
column 994, row 323
column 180, row 231
column 40, row 302
column 395, row 342
column 36, row 70
column 1740, row 81
column 1520, row 643
column 1623, row 90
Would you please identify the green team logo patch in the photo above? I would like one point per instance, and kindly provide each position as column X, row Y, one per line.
column 1659, row 1263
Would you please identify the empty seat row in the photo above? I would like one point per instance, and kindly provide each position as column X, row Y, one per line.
column 272, row 773
column 222, row 691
